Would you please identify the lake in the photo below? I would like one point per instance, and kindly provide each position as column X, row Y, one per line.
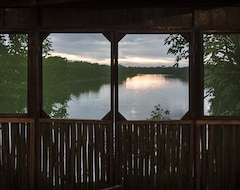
column 137, row 97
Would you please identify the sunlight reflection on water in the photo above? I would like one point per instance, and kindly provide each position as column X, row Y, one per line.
column 143, row 82
column 137, row 97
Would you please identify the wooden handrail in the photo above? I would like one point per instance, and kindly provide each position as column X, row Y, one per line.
column 16, row 120
column 198, row 122
column 72, row 120
column 218, row 122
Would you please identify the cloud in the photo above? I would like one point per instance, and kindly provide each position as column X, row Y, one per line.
column 77, row 45
column 134, row 49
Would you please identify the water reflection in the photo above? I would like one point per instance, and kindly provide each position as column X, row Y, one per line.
column 137, row 97
column 148, row 81
column 139, row 94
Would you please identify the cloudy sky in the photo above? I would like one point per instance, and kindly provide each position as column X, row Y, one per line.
column 134, row 49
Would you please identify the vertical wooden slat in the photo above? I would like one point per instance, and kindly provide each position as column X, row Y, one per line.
column 61, row 151
column 96, row 154
column 145, row 156
column 197, row 165
column 14, row 153
column 85, row 164
column 152, row 156
column 160, row 144
column 102, row 155
column 47, row 138
column 74, row 150
column 233, row 148
column 80, row 157
column 203, row 156
column 60, row 139
column 90, row 156
column 191, row 148
column 70, row 138
column 65, row 143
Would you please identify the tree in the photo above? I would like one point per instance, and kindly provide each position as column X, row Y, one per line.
column 13, row 71
column 221, row 69
column 222, row 73
column 159, row 113
column 179, row 46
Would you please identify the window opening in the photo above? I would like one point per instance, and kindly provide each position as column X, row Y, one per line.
column 13, row 72
column 153, row 81
column 76, row 76
column 221, row 74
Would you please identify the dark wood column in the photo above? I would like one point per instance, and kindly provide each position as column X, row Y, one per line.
column 34, row 97
column 197, row 93
column 34, row 74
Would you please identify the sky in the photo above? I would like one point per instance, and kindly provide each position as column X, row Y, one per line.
column 134, row 49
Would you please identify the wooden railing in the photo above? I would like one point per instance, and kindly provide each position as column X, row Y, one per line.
column 15, row 157
column 155, row 154
column 79, row 154
column 75, row 154
column 218, row 154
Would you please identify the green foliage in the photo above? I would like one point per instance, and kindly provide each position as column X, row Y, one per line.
column 13, row 72
column 179, row 46
column 159, row 113
column 221, row 69
column 222, row 73
column 17, row 44
column 63, row 78
column 46, row 47
column 13, row 84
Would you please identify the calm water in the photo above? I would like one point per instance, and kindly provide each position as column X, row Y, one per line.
column 137, row 97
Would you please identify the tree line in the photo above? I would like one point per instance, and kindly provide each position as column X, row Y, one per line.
column 221, row 69
column 221, row 72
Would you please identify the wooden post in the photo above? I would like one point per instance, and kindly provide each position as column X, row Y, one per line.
column 34, row 102
column 196, row 93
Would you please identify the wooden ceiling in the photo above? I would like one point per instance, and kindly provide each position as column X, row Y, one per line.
column 127, row 15
column 114, row 3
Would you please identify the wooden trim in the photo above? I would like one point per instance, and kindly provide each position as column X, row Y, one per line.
column 218, row 122
column 49, row 120
column 16, row 120
column 172, row 122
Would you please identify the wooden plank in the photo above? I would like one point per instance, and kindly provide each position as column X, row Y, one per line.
column 146, row 156
column 81, row 143
column 90, row 156
column 72, row 139
column 152, row 157
column 123, row 153
column 159, row 154
column 78, row 156
column 233, row 148
column 211, row 157
column 136, row 156
column 16, row 120
column 227, row 122
column 191, row 153
column 203, row 156
column 101, row 155
column 137, row 140
column 85, row 164
column 96, row 154
column 110, row 143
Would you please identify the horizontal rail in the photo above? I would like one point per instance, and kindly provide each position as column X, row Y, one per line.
column 198, row 122
column 218, row 122
column 16, row 120
column 172, row 122
column 49, row 120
